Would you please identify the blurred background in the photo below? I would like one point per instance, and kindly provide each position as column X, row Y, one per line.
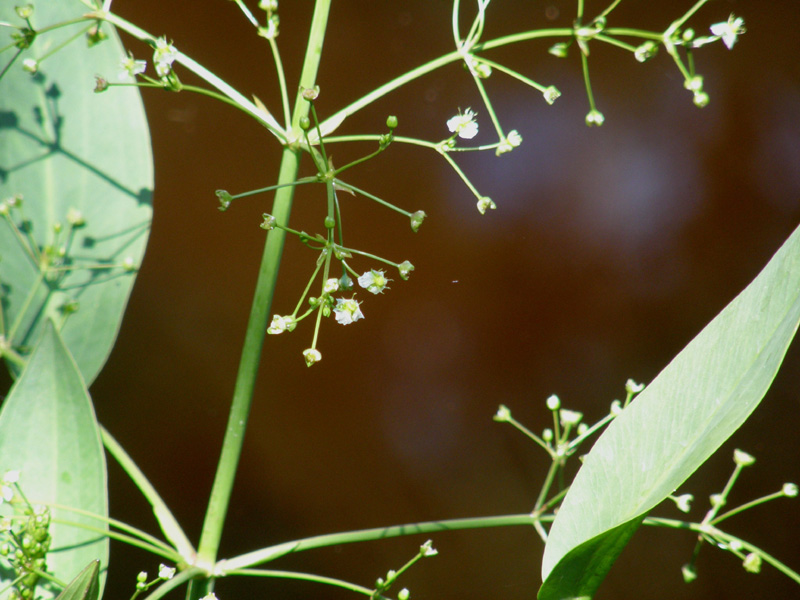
column 610, row 249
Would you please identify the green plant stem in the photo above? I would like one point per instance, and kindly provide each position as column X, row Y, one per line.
column 259, row 313
column 166, row 520
column 359, row 589
column 706, row 529
column 265, row 119
column 364, row 535
column 437, row 63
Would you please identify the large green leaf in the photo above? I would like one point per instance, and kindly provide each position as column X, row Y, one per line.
column 680, row 420
column 64, row 147
column 48, row 433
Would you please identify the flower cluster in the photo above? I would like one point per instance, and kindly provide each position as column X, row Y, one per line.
column 345, row 310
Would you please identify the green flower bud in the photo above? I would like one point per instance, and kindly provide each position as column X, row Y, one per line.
column 345, row 283
column 95, row 35
column 405, row 269
column 312, row 356
column 225, row 199
column 311, row 94
column 75, row 218
column 69, row 307
column 268, row 223
column 742, row 458
column 700, row 99
column 752, row 563
column 646, row 51
column 416, row 220
column 391, row 121
column 25, row 11
column 330, row 222
column 595, row 117
column 305, row 123
column 559, row 50
column 551, row 94
column 503, row 415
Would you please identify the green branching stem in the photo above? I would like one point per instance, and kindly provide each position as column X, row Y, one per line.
column 259, row 313
column 352, row 587
column 262, row 117
column 432, row 65
column 321, row 541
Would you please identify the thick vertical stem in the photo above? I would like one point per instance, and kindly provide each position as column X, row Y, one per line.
column 259, row 313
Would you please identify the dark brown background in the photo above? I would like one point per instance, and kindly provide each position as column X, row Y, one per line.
column 609, row 251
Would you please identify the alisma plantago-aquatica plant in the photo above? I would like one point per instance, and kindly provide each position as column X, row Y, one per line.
column 76, row 205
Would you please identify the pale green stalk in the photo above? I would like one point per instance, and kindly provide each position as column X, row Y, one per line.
column 265, row 118
column 259, row 313
column 364, row 535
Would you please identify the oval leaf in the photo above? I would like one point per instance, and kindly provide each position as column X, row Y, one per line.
column 48, row 432
column 73, row 156
column 681, row 419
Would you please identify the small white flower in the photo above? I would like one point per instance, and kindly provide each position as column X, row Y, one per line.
column 331, row 285
column 646, row 51
column 131, row 67
column 347, row 311
column 503, row 414
column 717, row 500
column 729, row 31
column 752, row 563
column 683, row 502
column 789, row 490
column 427, row 549
column 464, row 124
column 165, row 572
column 312, row 355
column 742, row 458
column 280, row 324
column 75, row 217
column 553, row 402
column 7, row 486
column 512, row 140
column 374, row 281
column 632, row 387
column 551, row 94
column 594, row 117
column 485, row 203
column 270, row 32
column 569, row 418
column 694, row 84
column 31, row 65
column 163, row 57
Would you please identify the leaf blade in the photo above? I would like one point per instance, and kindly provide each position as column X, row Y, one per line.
column 49, row 433
column 63, row 148
column 689, row 410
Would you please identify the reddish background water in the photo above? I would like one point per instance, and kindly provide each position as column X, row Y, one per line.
column 609, row 251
